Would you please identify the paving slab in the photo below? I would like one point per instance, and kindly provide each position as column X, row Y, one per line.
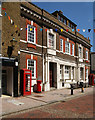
column 13, row 105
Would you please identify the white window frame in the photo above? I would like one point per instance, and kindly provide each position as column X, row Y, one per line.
column 34, row 77
column 61, row 45
column 34, row 34
column 72, row 72
column 67, row 72
column 86, row 74
column 53, row 33
column 72, row 49
column 81, row 73
column 86, row 53
column 67, row 52
column 0, row 9
column 80, row 54
column 61, row 71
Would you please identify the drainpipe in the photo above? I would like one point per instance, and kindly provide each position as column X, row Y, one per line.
column 42, row 52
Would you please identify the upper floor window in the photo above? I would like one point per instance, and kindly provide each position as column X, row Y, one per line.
column 31, row 65
column 69, row 24
column 86, row 55
column 31, row 34
column 51, row 40
column 67, row 47
column 80, row 52
column 62, row 19
column 59, row 18
column 61, row 45
column 73, row 49
column 65, row 21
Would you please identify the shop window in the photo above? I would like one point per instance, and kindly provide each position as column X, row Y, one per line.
column 67, row 72
column 31, row 65
column 61, row 70
column 67, row 47
column 81, row 73
column 72, row 73
column 31, row 34
column 86, row 74
column 61, row 45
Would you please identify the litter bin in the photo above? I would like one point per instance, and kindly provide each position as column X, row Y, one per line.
column 39, row 86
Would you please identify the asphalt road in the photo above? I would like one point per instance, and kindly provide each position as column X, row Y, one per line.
column 82, row 107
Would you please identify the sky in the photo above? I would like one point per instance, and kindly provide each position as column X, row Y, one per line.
column 81, row 13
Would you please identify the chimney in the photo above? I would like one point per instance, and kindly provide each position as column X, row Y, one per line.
column 88, row 38
column 60, row 12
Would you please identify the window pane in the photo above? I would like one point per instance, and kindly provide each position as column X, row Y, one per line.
column 31, row 33
column 51, row 40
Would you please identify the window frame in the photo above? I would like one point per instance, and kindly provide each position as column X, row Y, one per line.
column 33, row 33
column 86, row 74
column 61, row 71
column 34, row 77
column 72, row 49
column 61, row 46
column 0, row 8
column 81, row 75
column 80, row 55
column 67, row 72
column 67, row 48
column 53, row 33
column 86, row 54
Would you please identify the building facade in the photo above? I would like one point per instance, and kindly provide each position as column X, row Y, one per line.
column 47, row 44
column 92, row 62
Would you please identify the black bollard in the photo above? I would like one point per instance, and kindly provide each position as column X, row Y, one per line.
column 71, row 89
column 82, row 89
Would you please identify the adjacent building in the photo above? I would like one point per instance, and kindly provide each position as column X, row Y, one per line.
column 48, row 44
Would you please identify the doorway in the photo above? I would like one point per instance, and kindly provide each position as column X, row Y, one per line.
column 7, row 81
column 53, row 74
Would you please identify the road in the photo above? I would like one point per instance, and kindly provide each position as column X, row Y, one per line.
column 82, row 107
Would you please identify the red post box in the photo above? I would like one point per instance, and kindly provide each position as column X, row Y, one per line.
column 39, row 86
column 25, row 81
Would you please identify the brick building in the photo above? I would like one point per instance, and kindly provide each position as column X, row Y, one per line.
column 43, row 43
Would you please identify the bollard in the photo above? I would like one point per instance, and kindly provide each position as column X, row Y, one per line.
column 71, row 89
column 82, row 89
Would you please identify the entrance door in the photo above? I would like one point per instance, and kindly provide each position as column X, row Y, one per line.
column 4, row 82
column 53, row 74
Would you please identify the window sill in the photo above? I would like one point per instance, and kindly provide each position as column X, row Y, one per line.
column 31, row 45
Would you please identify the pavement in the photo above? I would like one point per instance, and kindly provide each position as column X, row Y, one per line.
column 12, row 105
